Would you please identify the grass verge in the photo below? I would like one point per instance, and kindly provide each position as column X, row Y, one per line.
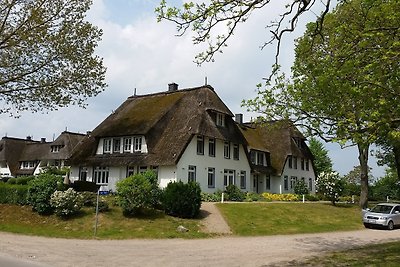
column 254, row 219
column 386, row 254
column 111, row 224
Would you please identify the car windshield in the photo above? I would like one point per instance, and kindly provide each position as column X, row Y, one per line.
column 382, row 209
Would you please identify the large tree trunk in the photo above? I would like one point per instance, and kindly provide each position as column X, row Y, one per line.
column 363, row 151
column 396, row 152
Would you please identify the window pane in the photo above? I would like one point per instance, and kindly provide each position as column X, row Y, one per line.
column 200, row 145
column 211, row 147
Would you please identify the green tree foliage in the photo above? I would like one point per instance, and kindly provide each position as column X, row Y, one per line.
column 40, row 190
column 344, row 86
column 214, row 22
column 138, row 193
column 388, row 186
column 13, row 194
column 47, row 56
column 182, row 199
column 300, row 188
column 322, row 161
column 330, row 185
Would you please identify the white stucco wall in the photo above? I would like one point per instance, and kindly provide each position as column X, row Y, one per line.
column 203, row 162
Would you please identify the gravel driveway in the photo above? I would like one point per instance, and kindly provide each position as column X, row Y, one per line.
column 222, row 251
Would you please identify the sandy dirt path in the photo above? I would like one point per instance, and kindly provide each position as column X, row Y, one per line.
column 223, row 251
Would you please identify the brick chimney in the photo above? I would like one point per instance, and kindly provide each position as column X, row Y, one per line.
column 172, row 87
column 239, row 118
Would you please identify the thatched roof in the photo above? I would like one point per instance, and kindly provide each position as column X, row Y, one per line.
column 168, row 120
column 15, row 150
column 11, row 150
column 277, row 138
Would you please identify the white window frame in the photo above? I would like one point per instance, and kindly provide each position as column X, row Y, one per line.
column 211, row 147
column 116, row 145
column 200, row 145
column 127, row 144
column 236, row 151
column 107, row 145
column 211, row 177
column 220, row 119
column 191, row 173
column 229, row 177
column 243, row 179
column 227, row 149
column 101, row 175
column 137, row 141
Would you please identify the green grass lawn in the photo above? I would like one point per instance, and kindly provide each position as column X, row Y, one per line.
column 111, row 224
column 254, row 219
column 373, row 255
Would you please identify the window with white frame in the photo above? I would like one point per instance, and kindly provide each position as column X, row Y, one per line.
column 268, row 182
column 200, row 145
column 192, row 173
column 211, row 177
column 295, row 162
column 211, row 147
column 307, row 165
column 100, row 175
column 127, row 144
column 260, row 158
column 235, row 151
column 138, row 143
column 253, row 156
column 243, row 179
column 142, row 169
column 286, row 182
column 83, row 171
column 28, row 164
column 220, row 121
column 229, row 177
column 227, row 150
column 290, row 162
column 56, row 148
column 116, row 145
column 107, row 145
column 293, row 181
column 130, row 170
column 310, row 184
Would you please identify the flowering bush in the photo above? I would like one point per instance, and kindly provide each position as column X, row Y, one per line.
column 300, row 188
column 279, row 197
column 66, row 203
column 330, row 185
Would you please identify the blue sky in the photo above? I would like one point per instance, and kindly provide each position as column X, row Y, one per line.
column 143, row 54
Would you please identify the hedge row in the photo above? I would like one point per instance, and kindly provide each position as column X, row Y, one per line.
column 13, row 194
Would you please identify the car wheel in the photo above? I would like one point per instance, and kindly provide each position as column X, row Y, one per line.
column 390, row 225
column 367, row 225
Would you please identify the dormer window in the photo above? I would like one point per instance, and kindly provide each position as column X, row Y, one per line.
column 55, row 148
column 259, row 158
column 220, row 121
column 28, row 165
column 128, row 144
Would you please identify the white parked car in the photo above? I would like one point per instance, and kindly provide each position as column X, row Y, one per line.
column 385, row 215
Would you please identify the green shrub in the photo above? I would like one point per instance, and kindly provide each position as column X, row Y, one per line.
column 88, row 198
column 182, row 199
column 300, row 188
column 13, row 194
column 138, row 193
column 24, row 180
column 103, row 205
column 66, row 203
column 233, row 193
column 40, row 190
column 211, row 197
column 12, row 180
column 85, row 186
column 251, row 196
column 310, row 197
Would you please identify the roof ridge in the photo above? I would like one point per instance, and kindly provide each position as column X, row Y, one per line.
column 173, row 92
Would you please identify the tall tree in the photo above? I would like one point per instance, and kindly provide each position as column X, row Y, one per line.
column 322, row 161
column 215, row 21
column 47, row 55
column 345, row 83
